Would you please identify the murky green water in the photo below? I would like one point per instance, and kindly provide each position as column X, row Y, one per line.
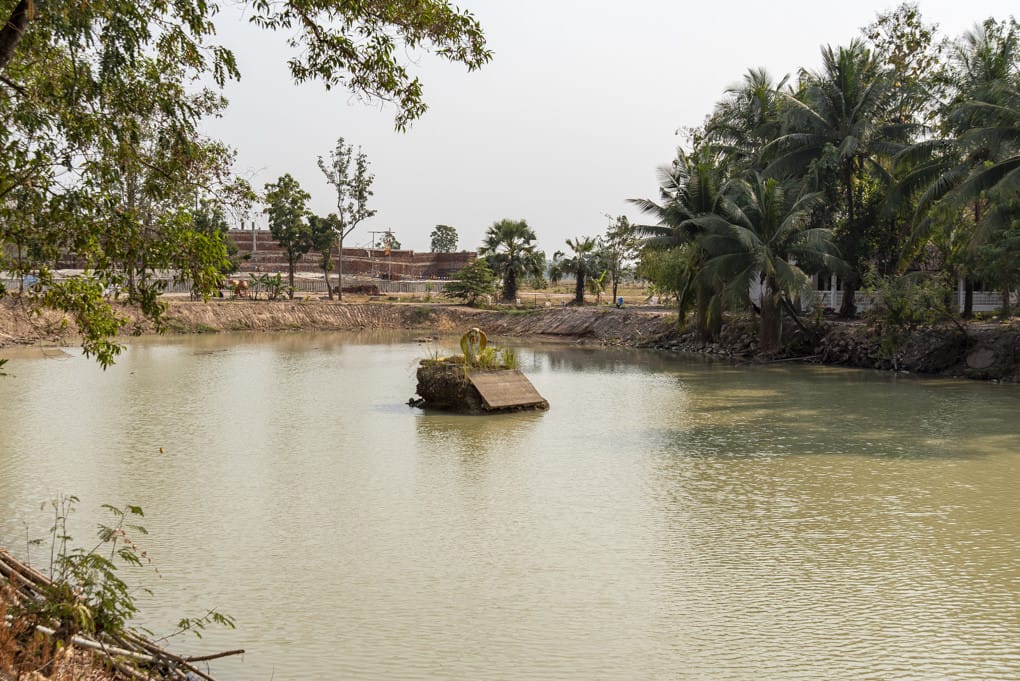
column 667, row 519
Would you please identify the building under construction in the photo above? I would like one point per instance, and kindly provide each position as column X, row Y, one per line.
column 259, row 252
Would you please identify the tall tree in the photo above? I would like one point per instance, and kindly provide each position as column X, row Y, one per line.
column 348, row 172
column 619, row 249
column 689, row 187
column 954, row 177
column 444, row 239
column 322, row 235
column 584, row 262
column 747, row 119
column 839, row 125
column 759, row 240
column 286, row 206
column 910, row 48
column 79, row 81
column 511, row 252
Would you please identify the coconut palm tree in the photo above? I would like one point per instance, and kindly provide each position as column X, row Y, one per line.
column 585, row 262
column 840, row 126
column 748, row 119
column 689, row 187
column 760, row 239
column 511, row 252
column 956, row 177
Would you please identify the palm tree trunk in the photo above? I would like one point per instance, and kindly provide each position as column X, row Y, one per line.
column 768, row 329
column 968, row 298
column 579, row 289
column 510, row 286
column 848, row 308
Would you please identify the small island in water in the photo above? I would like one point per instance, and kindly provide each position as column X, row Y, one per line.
column 482, row 380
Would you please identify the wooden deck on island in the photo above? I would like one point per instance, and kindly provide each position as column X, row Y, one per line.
column 505, row 389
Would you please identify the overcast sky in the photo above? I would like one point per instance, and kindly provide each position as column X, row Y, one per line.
column 579, row 106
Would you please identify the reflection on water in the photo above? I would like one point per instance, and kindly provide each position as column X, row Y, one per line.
column 667, row 518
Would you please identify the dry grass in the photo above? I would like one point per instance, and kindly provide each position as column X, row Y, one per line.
column 27, row 655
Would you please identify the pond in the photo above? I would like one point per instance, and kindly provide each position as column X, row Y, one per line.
column 668, row 518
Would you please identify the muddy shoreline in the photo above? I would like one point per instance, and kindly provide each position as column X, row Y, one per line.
column 983, row 351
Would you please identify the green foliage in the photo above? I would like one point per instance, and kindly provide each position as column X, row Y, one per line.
column 272, row 284
column 323, row 231
column 620, row 247
column 472, row 283
column 348, row 172
column 86, row 593
column 98, row 323
column 904, row 304
column 100, row 118
column 444, row 239
column 361, row 47
column 210, row 220
column 420, row 315
column 999, row 260
column 388, row 241
column 286, row 207
column 586, row 262
column 511, row 253
column 492, row 358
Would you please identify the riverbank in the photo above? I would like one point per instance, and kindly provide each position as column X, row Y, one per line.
column 976, row 350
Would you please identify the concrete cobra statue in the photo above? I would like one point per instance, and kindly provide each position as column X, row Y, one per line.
column 472, row 343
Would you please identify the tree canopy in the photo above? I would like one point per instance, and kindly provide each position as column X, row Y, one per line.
column 444, row 239
column 101, row 154
column 901, row 152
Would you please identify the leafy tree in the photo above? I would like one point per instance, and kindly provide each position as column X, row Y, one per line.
column 761, row 239
column 323, row 237
column 840, row 126
column 584, row 263
column 955, row 177
column 511, row 252
column 904, row 304
column 99, row 120
column 286, row 207
column 348, row 172
column 619, row 247
column 999, row 260
column 388, row 241
column 472, row 283
column 688, row 188
column 747, row 119
column 444, row 239
column 905, row 43
column 210, row 218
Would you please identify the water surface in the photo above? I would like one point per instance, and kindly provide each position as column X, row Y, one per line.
column 667, row 519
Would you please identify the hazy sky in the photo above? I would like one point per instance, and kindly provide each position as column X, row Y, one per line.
column 579, row 106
